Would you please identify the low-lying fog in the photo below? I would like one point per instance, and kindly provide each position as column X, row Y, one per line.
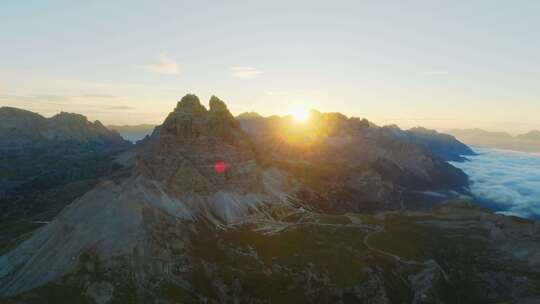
column 506, row 181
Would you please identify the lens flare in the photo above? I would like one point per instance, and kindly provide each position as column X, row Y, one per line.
column 220, row 167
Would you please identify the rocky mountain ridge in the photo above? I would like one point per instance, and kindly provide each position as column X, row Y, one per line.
column 443, row 145
column 352, row 161
column 21, row 128
column 440, row 144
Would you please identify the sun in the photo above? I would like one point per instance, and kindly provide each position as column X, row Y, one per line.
column 300, row 114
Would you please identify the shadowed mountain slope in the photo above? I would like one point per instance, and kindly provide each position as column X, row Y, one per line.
column 443, row 145
column 45, row 163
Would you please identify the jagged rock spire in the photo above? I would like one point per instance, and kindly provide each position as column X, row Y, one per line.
column 193, row 142
column 217, row 105
column 190, row 104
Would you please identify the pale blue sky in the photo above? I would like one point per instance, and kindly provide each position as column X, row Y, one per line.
column 439, row 64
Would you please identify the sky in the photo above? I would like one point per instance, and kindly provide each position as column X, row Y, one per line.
column 438, row 64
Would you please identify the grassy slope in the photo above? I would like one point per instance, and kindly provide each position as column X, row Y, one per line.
column 319, row 263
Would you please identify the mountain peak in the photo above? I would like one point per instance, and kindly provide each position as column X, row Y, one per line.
column 25, row 128
column 65, row 120
column 191, row 120
column 190, row 104
column 217, row 105
column 249, row 115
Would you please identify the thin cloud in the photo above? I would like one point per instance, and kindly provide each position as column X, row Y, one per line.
column 51, row 98
column 275, row 93
column 100, row 96
column 420, row 118
column 54, row 99
column 163, row 65
column 244, row 72
column 37, row 99
column 64, row 101
column 120, row 108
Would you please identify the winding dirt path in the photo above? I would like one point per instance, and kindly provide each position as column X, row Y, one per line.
column 428, row 263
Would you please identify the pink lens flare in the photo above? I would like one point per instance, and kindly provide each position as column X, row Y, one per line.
column 220, row 167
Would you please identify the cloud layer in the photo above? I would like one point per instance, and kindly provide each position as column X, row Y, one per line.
column 508, row 181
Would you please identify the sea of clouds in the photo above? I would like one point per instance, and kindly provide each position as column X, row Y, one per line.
column 507, row 181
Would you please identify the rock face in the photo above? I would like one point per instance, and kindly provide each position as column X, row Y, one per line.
column 202, row 151
column 202, row 157
column 21, row 128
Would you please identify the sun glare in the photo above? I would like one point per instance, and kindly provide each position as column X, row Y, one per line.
column 300, row 114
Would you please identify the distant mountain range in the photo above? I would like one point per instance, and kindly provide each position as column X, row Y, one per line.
column 528, row 142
